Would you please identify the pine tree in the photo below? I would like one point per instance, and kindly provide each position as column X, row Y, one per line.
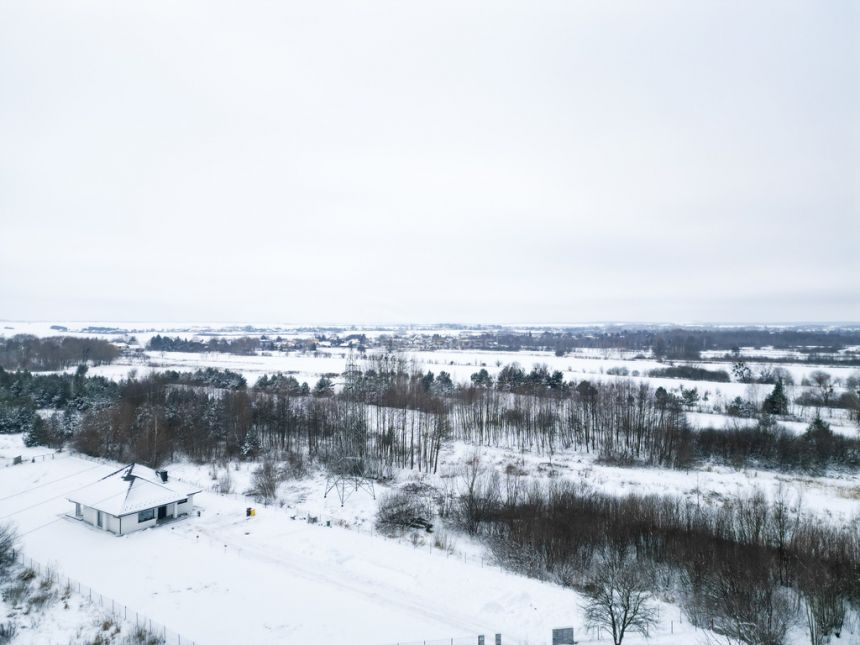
column 776, row 402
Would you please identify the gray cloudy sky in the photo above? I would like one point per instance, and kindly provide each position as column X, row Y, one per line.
column 482, row 161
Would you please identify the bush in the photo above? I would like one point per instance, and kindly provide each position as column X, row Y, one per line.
column 142, row 636
column 294, row 466
column 400, row 510
column 691, row 373
column 737, row 568
column 225, row 483
column 7, row 633
column 8, row 541
column 265, row 481
column 618, row 371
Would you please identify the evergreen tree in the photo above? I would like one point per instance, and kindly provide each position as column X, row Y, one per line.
column 252, row 445
column 324, row 387
column 776, row 402
column 482, row 378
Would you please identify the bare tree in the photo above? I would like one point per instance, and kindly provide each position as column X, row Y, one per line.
column 824, row 384
column 618, row 597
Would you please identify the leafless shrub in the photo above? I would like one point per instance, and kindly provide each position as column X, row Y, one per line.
column 400, row 511
column 746, row 569
column 140, row 635
column 739, row 598
column 444, row 542
column 265, row 481
column 224, row 484
column 8, row 542
column 7, row 632
column 480, row 491
column 294, row 467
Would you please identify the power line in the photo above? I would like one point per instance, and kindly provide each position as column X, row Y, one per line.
column 80, row 472
column 63, row 516
column 51, row 499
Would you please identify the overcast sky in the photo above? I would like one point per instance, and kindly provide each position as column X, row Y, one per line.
column 429, row 161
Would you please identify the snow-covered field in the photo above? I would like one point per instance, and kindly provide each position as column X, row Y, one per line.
column 275, row 578
column 221, row 578
column 310, row 366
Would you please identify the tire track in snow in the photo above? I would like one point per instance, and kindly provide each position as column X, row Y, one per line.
column 374, row 589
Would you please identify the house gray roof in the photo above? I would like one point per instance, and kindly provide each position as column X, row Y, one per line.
column 131, row 489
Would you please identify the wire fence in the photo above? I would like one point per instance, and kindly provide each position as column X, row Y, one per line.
column 110, row 605
column 461, row 640
column 19, row 460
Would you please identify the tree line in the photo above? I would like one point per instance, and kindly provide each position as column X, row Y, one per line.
column 390, row 412
column 668, row 343
column 26, row 352
column 243, row 346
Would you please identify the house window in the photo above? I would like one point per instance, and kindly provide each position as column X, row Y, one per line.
column 145, row 516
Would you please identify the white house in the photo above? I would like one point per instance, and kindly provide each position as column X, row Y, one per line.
column 133, row 498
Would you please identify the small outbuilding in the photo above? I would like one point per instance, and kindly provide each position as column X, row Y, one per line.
column 133, row 498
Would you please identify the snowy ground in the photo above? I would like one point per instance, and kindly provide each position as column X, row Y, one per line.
column 834, row 497
column 222, row 578
column 49, row 611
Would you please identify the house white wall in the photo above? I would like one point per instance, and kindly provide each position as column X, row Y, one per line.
column 128, row 523
column 187, row 507
column 90, row 516
column 111, row 523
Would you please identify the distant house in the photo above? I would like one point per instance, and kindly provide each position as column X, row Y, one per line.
column 133, row 498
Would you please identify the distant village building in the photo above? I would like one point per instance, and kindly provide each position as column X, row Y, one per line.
column 133, row 498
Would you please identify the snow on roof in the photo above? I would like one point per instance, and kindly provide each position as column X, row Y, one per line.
column 131, row 489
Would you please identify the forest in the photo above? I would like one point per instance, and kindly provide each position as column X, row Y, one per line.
column 393, row 416
column 243, row 346
column 25, row 352
column 673, row 343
